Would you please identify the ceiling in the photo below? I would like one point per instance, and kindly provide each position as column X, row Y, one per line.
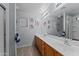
column 73, row 9
column 69, row 8
column 31, row 7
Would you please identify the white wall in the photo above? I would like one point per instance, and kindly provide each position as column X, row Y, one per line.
column 12, row 29
column 26, row 34
column 75, row 29
column 52, row 30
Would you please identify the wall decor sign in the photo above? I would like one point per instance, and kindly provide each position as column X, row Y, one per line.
column 31, row 20
column 48, row 22
column 31, row 23
column 48, row 26
column 36, row 23
column 44, row 23
column 31, row 26
column 24, row 21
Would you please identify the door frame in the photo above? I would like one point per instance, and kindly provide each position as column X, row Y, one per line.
column 4, row 20
column 15, row 32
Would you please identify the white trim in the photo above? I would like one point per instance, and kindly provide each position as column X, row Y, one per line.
column 5, row 38
column 24, row 45
column 15, row 31
column 64, row 21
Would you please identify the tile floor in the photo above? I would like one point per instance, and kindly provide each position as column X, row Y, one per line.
column 28, row 51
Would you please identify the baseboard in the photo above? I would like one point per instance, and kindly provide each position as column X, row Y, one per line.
column 24, row 45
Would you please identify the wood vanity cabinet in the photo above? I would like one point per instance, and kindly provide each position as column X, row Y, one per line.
column 39, row 44
column 42, row 48
column 48, row 50
column 45, row 49
column 57, row 53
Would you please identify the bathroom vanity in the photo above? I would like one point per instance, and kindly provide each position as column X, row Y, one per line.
column 45, row 49
column 50, row 45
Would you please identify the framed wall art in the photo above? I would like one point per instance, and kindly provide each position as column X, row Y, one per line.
column 24, row 21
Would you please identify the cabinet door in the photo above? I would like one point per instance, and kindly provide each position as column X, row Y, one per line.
column 48, row 51
column 58, row 54
column 45, row 49
column 42, row 48
column 36, row 42
column 40, row 44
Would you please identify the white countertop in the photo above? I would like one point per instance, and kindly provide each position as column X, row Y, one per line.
column 58, row 44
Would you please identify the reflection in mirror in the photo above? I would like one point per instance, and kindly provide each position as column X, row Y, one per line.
column 59, row 25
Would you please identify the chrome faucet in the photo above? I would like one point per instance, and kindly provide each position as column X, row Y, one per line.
column 66, row 42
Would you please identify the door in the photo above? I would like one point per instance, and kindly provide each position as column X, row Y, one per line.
column 68, row 26
column 75, row 29
column 1, row 31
